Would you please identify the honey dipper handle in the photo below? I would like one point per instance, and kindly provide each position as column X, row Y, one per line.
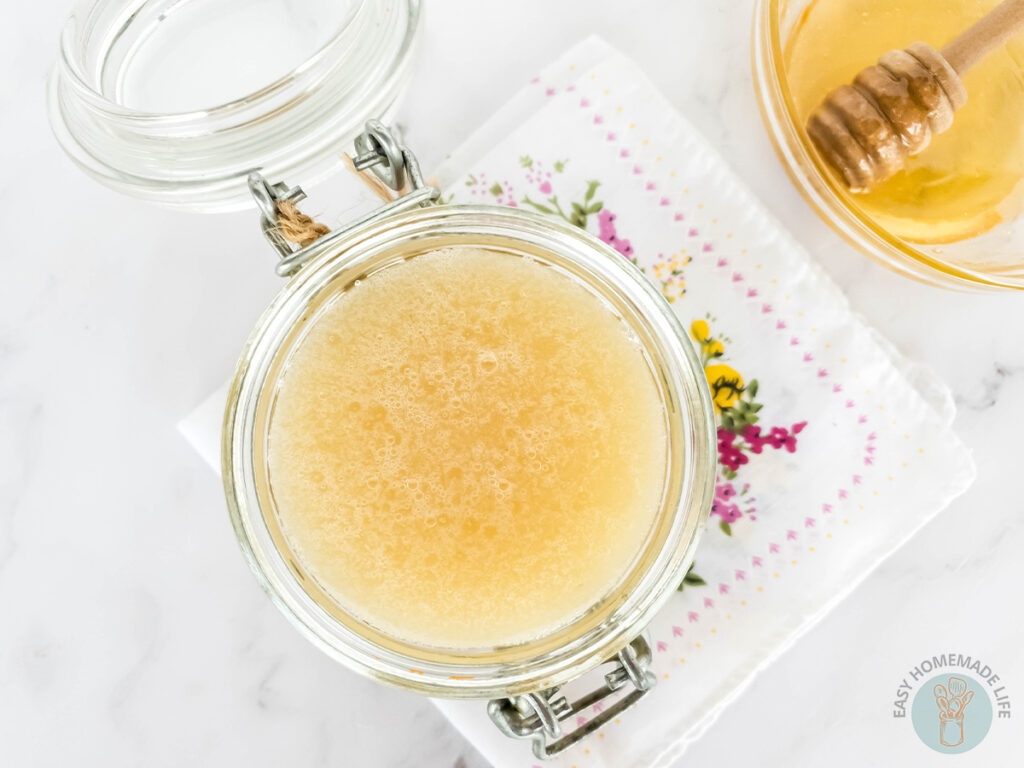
column 992, row 31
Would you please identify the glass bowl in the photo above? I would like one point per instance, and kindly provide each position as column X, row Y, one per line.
column 993, row 260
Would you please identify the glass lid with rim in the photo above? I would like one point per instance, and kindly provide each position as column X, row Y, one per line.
column 177, row 101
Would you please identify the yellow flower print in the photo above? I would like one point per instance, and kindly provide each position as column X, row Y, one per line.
column 713, row 348
column 709, row 347
column 726, row 385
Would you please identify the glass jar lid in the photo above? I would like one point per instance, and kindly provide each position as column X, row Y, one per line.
column 177, row 101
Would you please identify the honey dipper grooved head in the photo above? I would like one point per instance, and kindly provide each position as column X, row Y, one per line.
column 866, row 130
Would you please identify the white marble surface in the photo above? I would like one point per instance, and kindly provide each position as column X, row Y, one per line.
column 131, row 632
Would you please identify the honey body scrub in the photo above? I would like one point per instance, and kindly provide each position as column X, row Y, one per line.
column 969, row 178
column 467, row 449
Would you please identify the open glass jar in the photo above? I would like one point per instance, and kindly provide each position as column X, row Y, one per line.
column 184, row 104
column 520, row 679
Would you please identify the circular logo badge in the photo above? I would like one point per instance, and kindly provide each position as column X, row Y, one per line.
column 951, row 713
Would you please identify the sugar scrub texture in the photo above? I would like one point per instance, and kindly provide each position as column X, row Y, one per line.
column 467, row 449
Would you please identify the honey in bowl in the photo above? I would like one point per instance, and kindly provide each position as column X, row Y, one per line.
column 969, row 178
column 467, row 449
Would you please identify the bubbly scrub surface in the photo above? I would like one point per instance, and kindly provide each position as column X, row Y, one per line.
column 969, row 178
column 467, row 449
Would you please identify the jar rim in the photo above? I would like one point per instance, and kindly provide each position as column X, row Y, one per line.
column 586, row 641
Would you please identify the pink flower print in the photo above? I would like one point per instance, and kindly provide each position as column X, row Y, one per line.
column 607, row 233
column 545, row 188
column 730, row 455
column 730, row 513
column 724, row 491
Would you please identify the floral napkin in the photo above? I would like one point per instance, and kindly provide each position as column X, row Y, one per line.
column 833, row 450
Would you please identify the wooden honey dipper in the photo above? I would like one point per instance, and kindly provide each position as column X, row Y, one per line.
column 866, row 130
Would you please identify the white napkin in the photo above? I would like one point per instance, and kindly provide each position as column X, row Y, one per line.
column 852, row 449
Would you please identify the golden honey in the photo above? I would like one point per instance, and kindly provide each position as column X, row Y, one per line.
column 970, row 178
column 467, row 449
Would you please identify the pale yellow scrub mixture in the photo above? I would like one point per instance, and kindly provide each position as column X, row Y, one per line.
column 467, row 449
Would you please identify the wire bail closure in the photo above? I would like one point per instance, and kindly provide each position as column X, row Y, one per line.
column 378, row 150
column 538, row 716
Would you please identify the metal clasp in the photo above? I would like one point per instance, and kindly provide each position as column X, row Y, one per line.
column 379, row 150
column 538, row 716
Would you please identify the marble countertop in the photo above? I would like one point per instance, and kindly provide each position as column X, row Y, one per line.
column 131, row 631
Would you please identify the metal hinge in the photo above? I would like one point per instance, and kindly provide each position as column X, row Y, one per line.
column 539, row 716
column 377, row 150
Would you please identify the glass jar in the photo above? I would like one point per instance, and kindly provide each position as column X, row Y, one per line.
column 993, row 260
column 516, row 675
column 193, row 104
column 178, row 102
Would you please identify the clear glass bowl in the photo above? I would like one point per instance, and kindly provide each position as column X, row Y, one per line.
column 583, row 641
column 177, row 101
column 993, row 260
